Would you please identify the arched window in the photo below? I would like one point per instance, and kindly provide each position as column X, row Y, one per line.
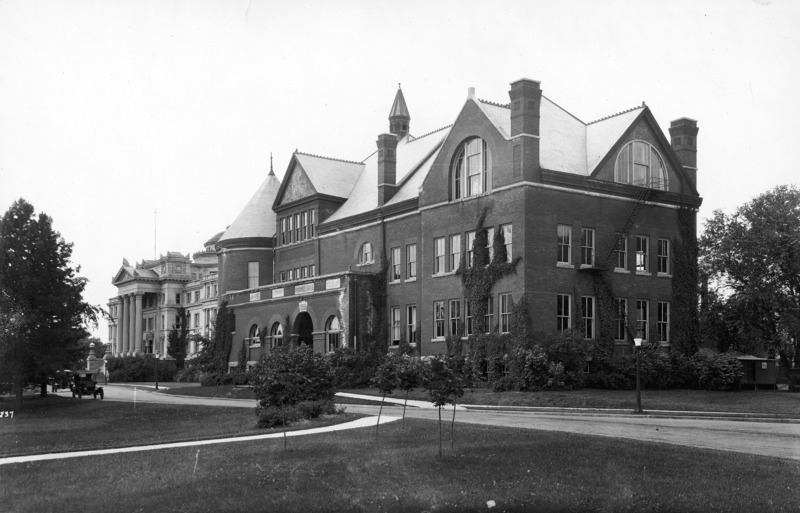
column 253, row 334
column 471, row 171
column 332, row 331
column 639, row 163
column 276, row 333
column 365, row 253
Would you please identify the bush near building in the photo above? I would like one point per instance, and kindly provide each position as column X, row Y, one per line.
column 130, row 369
column 292, row 384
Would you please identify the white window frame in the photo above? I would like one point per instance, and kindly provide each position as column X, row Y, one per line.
column 588, row 307
column 397, row 264
column 252, row 275
column 439, row 319
column 642, row 318
column 508, row 235
column 411, row 323
column 564, row 231
column 642, row 256
column 621, row 253
column 621, row 319
column 563, row 312
column 663, row 322
column 587, row 247
column 663, row 257
column 411, row 261
column 365, row 255
column 439, row 256
column 395, row 317
column 635, row 165
column 506, row 305
column 455, row 317
column 455, row 251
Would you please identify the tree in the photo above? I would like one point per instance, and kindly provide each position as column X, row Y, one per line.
column 751, row 259
column 446, row 377
column 214, row 353
column 36, row 274
column 178, row 338
column 386, row 379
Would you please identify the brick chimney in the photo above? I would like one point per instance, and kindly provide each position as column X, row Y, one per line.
column 387, row 167
column 526, row 100
column 683, row 135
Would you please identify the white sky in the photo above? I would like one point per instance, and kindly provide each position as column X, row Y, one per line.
column 113, row 110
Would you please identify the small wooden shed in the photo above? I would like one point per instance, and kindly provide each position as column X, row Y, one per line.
column 759, row 372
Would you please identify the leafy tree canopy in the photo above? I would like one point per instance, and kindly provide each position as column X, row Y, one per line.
column 752, row 260
column 37, row 277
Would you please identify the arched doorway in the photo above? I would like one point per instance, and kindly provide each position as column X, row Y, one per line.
column 304, row 329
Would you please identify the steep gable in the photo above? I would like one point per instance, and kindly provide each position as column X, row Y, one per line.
column 297, row 186
column 309, row 175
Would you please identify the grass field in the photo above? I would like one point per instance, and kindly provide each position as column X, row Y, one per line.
column 745, row 401
column 521, row 470
column 57, row 424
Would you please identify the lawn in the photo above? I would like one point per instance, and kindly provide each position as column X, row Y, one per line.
column 521, row 470
column 56, row 424
column 744, row 401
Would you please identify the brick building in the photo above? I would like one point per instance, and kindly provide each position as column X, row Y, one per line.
column 592, row 212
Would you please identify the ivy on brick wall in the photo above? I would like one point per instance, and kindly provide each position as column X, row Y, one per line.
column 477, row 280
column 684, row 320
column 372, row 319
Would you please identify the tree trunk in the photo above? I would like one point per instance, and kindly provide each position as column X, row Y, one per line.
column 440, row 432
column 453, row 425
column 380, row 410
column 404, row 410
column 43, row 388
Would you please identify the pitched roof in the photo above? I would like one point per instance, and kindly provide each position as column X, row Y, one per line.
column 330, row 176
column 567, row 144
column 257, row 218
column 414, row 159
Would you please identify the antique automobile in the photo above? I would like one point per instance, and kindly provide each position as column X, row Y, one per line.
column 84, row 383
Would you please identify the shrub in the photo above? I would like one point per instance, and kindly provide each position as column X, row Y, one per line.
column 719, row 371
column 286, row 377
column 130, row 369
column 189, row 374
column 351, row 368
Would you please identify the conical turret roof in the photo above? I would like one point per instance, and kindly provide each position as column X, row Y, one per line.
column 399, row 108
column 256, row 220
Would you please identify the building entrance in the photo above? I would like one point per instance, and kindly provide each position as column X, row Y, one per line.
column 304, row 328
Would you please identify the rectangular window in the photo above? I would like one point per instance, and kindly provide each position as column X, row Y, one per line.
column 304, row 271
column 312, row 270
column 197, row 320
column 587, row 246
column 297, row 228
column 470, row 239
column 438, row 255
column 490, row 242
column 282, row 276
column 304, row 225
column 663, row 256
column 196, row 296
column 508, row 236
column 564, row 244
column 622, row 252
column 411, row 261
column 188, row 297
column 310, row 223
column 587, row 305
column 468, row 318
column 562, row 312
column 438, row 319
column 455, row 251
column 290, row 275
column 642, row 243
column 621, row 320
column 663, row 322
column 641, row 319
column 395, row 325
column 283, row 230
column 505, row 313
column 289, row 229
column 397, row 265
column 488, row 319
column 455, row 317
column 411, row 323
column 252, row 275
column 178, row 298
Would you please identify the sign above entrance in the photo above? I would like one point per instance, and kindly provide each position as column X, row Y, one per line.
column 277, row 292
column 304, row 288
column 303, row 306
column 333, row 284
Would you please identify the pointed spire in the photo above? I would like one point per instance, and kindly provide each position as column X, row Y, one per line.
column 271, row 172
column 399, row 118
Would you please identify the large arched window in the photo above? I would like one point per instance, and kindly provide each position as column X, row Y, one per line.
column 365, row 254
column 332, row 332
column 471, row 173
column 276, row 334
column 639, row 163
column 253, row 334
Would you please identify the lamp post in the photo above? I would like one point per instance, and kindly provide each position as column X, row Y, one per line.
column 638, row 347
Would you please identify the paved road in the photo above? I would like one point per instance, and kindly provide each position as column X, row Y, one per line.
column 766, row 438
